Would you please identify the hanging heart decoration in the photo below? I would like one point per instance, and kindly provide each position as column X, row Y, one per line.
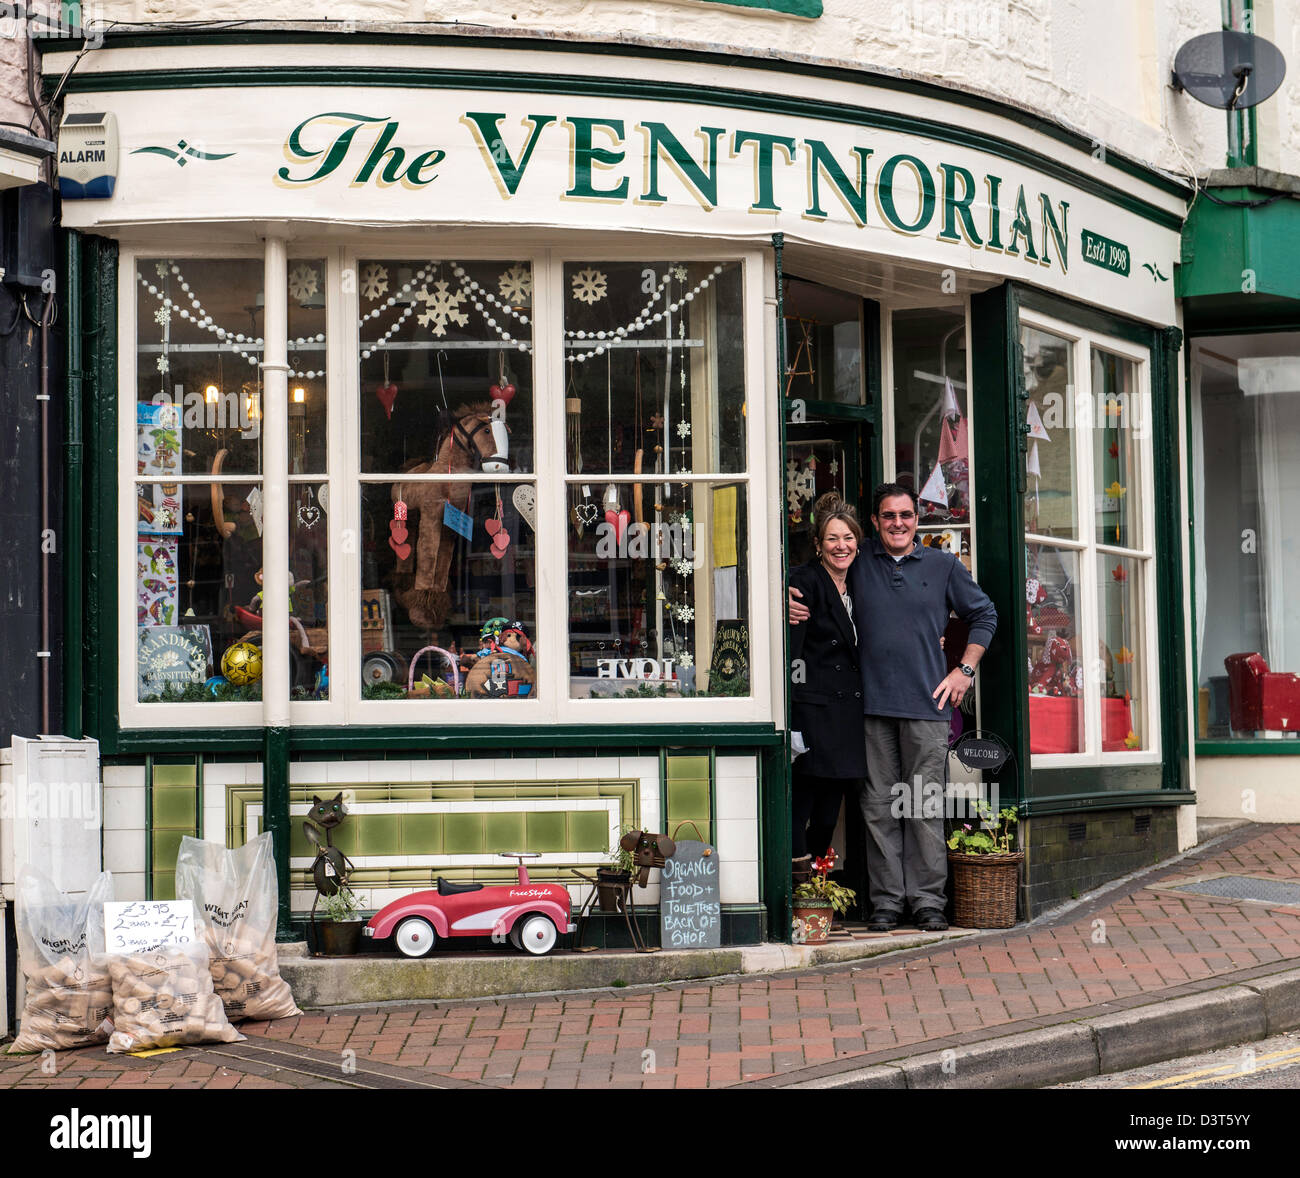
column 505, row 393
column 586, row 513
column 525, row 501
column 397, row 531
column 618, row 520
column 387, row 394
column 500, row 537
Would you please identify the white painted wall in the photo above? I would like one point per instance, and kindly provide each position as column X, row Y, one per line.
column 1261, row 789
column 1100, row 66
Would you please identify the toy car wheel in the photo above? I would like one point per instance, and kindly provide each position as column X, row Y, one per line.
column 513, row 934
column 537, row 935
column 414, row 937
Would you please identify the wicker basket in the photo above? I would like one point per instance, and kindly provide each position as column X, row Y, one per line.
column 984, row 889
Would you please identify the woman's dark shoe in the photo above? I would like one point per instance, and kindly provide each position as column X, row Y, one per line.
column 883, row 922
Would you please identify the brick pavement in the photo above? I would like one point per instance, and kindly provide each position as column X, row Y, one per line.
column 1130, row 946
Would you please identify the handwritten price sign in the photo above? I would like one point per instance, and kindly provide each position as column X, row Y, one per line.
column 144, row 926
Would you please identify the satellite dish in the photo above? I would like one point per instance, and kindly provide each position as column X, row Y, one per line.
column 1229, row 70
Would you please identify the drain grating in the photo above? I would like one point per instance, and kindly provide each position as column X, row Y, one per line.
column 1244, row 887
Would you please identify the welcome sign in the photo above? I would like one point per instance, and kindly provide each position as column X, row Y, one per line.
column 376, row 155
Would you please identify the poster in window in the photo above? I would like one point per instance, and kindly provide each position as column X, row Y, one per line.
column 157, row 586
column 170, row 657
column 158, row 453
column 729, row 670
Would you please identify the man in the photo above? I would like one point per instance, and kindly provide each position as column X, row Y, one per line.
column 903, row 593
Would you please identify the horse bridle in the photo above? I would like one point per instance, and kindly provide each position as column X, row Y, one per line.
column 465, row 437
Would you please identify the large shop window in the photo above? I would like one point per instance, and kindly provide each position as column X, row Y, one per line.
column 515, row 486
column 1245, row 393
column 1089, row 558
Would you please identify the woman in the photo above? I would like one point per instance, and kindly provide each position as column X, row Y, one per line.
column 826, row 685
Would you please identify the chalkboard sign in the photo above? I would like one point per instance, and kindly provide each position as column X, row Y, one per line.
column 690, row 898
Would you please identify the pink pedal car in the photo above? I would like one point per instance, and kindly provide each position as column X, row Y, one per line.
column 530, row 915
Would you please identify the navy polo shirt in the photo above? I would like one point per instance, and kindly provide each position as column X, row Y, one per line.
column 902, row 609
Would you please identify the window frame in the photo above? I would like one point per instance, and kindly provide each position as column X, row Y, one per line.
column 1091, row 552
column 344, row 478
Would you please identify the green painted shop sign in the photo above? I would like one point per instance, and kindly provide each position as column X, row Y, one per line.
column 1101, row 251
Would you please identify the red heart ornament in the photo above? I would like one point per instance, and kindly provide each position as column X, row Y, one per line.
column 387, row 394
column 503, row 393
column 492, row 526
column 397, row 530
column 500, row 544
column 402, row 550
column 618, row 520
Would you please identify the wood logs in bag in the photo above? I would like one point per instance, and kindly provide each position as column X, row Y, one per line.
column 165, row 999
column 69, row 1004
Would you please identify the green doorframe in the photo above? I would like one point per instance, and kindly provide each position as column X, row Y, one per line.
column 1000, row 467
column 73, row 530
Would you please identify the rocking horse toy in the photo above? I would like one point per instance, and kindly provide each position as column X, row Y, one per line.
column 470, row 440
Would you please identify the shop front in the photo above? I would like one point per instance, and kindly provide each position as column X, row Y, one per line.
column 452, row 411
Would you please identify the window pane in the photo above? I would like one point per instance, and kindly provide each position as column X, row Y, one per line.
column 823, row 343
column 658, row 590
column 654, row 376
column 1123, row 695
column 1121, row 422
column 1050, row 500
column 811, row 469
column 307, row 354
column 436, row 336
column 453, row 582
column 199, row 344
column 931, row 446
column 198, row 553
column 1055, row 673
column 309, row 592
column 1246, row 461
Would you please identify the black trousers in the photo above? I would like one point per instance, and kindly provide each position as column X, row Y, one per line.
column 815, row 808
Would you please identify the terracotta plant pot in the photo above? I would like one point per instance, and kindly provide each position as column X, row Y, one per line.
column 984, row 889
column 338, row 938
column 812, row 920
column 611, row 896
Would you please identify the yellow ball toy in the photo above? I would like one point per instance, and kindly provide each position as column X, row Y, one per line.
column 242, row 663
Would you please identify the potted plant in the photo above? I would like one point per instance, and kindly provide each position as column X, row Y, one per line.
column 614, row 877
column 816, row 900
column 339, row 933
column 984, row 865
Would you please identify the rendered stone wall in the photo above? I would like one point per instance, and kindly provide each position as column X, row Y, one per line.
column 1100, row 66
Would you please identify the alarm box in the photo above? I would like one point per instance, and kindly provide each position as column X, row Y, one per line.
column 88, row 156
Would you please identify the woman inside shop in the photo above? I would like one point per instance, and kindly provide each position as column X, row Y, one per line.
column 826, row 685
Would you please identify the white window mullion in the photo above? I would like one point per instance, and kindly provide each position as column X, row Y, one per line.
column 552, row 574
column 345, row 501
column 1089, row 636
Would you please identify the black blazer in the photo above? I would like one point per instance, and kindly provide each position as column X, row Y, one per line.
column 826, row 682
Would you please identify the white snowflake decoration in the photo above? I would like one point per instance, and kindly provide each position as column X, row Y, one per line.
column 680, row 273
column 686, row 661
column 516, row 284
column 589, row 286
column 683, row 429
column 800, row 483
column 441, row 305
column 161, row 269
column 303, row 283
column 162, row 316
column 683, row 567
column 684, row 613
column 374, row 281
column 163, row 365
column 834, row 466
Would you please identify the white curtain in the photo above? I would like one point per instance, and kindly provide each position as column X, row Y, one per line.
column 1277, row 440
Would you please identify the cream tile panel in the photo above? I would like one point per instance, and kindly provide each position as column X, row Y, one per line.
column 739, row 883
column 124, row 807
column 124, row 851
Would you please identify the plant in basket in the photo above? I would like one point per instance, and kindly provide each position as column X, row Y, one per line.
column 985, row 869
column 817, row 899
column 616, row 874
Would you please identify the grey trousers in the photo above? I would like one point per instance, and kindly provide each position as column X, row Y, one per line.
column 907, row 858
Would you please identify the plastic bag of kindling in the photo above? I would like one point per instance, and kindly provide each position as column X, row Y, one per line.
column 164, row 998
column 235, row 907
column 69, row 1001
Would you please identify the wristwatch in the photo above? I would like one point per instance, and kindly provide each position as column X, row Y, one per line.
column 968, row 670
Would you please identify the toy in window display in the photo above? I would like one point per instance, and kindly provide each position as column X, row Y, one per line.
column 471, row 441
column 503, row 668
column 242, row 663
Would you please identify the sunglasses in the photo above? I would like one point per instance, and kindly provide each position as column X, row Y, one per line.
column 901, row 516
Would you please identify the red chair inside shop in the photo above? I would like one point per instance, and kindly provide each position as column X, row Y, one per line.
column 1260, row 700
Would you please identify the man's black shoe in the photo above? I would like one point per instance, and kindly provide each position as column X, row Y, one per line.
column 884, row 922
column 930, row 920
